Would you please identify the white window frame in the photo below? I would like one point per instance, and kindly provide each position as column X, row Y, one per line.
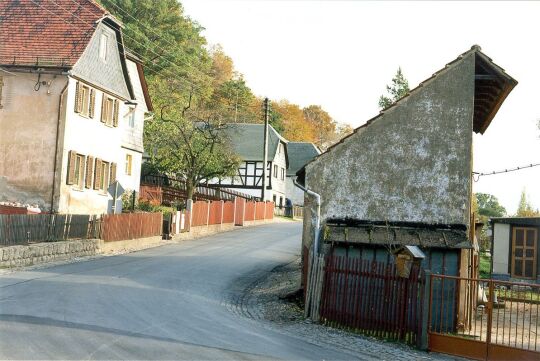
column 129, row 164
column 103, row 46
column 79, row 172
column 108, row 110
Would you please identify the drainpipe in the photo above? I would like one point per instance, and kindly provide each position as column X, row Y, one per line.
column 318, row 216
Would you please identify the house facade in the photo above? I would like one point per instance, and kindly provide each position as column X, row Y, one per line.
column 248, row 143
column 404, row 178
column 300, row 153
column 73, row 108
column 514, row 248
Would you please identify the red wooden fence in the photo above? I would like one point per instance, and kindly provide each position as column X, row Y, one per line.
column 118, row 227
column 371, row 298
column 240, row 205
column 216, row 212
column 249, row 213
column 199, row 214
column 270, row 210
column 228, row 212
column 260, row 210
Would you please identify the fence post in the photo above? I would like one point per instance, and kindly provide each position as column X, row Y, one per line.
column 222, row 206
column 426, row 301
column 207, row 212
column 234, row 211
column 189, row 208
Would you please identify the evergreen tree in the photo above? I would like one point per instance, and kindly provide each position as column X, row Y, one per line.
column 398, row 89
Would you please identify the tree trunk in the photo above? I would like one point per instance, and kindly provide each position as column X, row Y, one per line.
column 190, row 188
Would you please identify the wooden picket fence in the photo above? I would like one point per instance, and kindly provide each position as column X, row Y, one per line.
column 371, row 298
column 220, row 212
column 118, row 227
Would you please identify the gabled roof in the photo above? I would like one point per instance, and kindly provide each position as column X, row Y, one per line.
column 248, row 140
column 47, row 33
column 299, row 154
column 492, row 86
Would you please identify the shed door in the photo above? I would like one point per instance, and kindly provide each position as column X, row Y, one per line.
column 524, row 243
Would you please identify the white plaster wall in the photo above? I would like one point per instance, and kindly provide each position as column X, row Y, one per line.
column 130, row 182
column 501, row 246
column 88, row 136
column 293, row 192
column 28, row 123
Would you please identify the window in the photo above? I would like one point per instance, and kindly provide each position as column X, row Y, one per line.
column 280, row 202
column 129, row 159
column 101, row 175
column 274, row 200
column 109, row 111
column 76, row 168
column 84, row 100
column 103, row 41
column 524, row 251
column 131, row 118
column 275, row 170
column 280, row 148
column 282, row 173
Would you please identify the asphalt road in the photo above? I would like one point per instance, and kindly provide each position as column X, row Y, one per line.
column 170, row 302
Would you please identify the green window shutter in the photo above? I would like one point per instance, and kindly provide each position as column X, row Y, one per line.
column 113, row 173
column 72, row 158
column 97, row 174
column 103, row 106
column 78, row 96
column 115, row 112
column 89, row 171
column 92, row 103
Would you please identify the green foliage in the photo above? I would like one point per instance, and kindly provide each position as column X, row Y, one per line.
column 488, row 206
column 396, row 91
column 485, row 266
column 525, row 208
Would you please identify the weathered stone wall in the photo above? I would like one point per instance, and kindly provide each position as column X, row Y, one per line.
column 20, row 256
column 412, row 164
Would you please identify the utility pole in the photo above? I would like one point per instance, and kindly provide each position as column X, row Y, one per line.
column 265, row 150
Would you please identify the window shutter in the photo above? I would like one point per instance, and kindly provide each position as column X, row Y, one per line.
column 89, row 171
column 92, row 103
column 78, row 96
column 113, row 173
column 115, row 112
column 97, row 173
column 71, row 167
column 103, row 105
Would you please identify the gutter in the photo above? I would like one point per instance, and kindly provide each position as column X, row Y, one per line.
column 318, row 216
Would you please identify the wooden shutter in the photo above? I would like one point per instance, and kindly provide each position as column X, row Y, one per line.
column 92, row 103
column 71, row 167
column 103, row 106
column 89, row 171
column 113, row 173
column 97, row 173
column 116, row 105
column 78, row 98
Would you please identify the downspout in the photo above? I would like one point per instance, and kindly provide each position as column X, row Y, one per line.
column 317, row 197
column 62, row 93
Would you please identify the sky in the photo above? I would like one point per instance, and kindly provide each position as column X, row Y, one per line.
column 341, row 55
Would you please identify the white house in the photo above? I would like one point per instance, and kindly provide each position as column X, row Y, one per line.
column 248, row 142
column 300, row 153
column 72, row 107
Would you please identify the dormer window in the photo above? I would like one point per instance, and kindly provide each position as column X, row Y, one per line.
column 103, row 41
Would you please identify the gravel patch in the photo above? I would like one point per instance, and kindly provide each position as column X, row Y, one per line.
column 270, row 300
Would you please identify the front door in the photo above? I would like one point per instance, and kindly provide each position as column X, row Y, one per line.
column 524, row 248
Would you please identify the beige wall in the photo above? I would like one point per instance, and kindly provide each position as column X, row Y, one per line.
column 501, row 245
column 28, row 124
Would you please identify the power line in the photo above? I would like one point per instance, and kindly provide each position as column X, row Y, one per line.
column 478, row 175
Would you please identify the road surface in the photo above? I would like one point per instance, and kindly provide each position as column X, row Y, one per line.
column 170, row 302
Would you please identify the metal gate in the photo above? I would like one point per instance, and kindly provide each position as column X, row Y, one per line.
column 484, row 319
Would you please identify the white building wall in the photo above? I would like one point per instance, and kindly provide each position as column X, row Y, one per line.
column 501, row 246
column 295, row 194
column 88, row 136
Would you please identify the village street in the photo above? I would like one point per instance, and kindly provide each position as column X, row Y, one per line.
column 171, row 302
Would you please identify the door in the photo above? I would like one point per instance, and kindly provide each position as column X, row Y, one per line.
column 524, row 248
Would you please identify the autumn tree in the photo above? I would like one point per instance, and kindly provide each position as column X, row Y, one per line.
column 187, row 139
column 295, row 126
column 525, row 208
column 397, row 90
column 323, row 125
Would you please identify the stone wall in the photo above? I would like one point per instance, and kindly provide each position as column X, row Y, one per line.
column 20, row 256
